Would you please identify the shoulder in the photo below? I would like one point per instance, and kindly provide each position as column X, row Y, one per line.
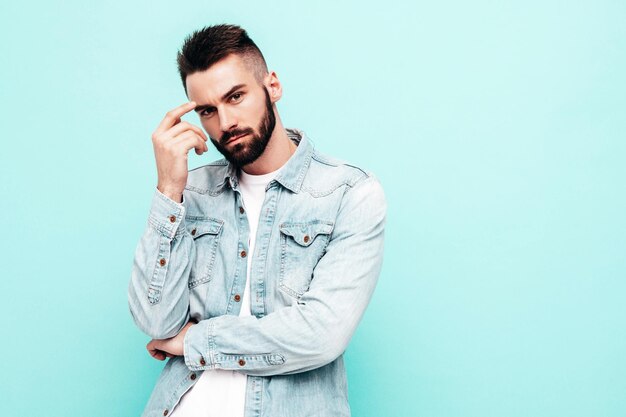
column 327, row 173
column 362, row 202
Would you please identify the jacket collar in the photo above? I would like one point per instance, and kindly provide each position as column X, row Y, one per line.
column 292, row 173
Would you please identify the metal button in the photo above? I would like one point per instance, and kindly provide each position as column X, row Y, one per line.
column 193, row 232
column 172, row 218
column 306, row 238
column 243, row 254
column 237, row 297
column 202, row 361
column 192, row 376
column 242, row 362
column 166, row 412
column 241, row 210
column 162, row 261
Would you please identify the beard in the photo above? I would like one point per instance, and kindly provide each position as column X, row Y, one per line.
column 248, row 150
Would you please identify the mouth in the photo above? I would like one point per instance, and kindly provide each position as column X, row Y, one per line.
column 235, row 139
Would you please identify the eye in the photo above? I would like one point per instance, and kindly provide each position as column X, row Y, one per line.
column 236, row 97
column 207, row 112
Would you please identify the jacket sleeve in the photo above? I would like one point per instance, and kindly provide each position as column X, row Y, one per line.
column 317, row 329
column 158, row 295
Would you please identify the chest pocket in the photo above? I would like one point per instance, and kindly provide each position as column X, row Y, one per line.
column 302, row 246
column 205, row 232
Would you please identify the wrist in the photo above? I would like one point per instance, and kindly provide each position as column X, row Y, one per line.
column 170, row 193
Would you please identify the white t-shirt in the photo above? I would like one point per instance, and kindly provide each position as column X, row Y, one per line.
column 219, row 392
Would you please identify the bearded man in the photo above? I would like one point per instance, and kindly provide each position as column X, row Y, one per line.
column 253, row 271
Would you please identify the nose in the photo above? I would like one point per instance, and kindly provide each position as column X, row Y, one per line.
column 228, row 121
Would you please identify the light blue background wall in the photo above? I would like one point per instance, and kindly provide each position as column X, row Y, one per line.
column 497, row 129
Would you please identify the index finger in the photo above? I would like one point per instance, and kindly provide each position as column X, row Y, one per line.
column 173, row 115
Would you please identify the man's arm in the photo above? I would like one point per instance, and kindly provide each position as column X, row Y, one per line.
column 317, row 329
column 158, row 295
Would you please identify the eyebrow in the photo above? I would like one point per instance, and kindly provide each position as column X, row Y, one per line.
column 224, row 97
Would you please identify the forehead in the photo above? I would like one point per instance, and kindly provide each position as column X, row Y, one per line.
column 208, row 86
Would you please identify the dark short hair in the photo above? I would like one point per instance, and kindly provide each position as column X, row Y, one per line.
column 206, row 46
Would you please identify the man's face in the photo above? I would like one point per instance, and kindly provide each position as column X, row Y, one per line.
column 234, row 109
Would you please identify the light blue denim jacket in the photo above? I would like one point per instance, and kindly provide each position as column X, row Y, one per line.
column 318, row 254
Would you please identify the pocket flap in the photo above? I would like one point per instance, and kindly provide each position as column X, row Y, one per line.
column 305, row 233
column 202, row 226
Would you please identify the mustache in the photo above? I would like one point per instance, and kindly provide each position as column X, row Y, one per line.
column 234, row 133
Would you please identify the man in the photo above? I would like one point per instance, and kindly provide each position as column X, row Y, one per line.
column 253, row 271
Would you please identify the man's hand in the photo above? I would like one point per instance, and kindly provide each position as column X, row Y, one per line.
column 166, row 348
column 172, row 140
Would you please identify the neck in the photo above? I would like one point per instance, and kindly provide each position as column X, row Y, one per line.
column 277, row 152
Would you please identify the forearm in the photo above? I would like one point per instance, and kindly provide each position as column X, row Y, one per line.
column 291, row 340
column 158, row 293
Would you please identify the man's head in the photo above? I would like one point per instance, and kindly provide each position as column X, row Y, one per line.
column 224, row 72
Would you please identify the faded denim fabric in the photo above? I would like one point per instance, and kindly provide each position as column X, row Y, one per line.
column 318, row 255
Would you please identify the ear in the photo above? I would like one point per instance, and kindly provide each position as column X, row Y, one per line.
column 274, row 87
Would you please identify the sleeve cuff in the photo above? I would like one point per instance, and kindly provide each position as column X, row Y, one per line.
column 166, row 215
column 201, row 351
column 197, row 346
